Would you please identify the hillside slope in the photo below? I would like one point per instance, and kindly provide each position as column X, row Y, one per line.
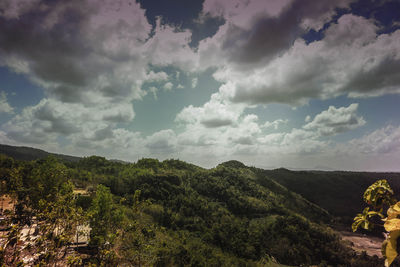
column 338, row 192
column 29, row 153
column 231, row 215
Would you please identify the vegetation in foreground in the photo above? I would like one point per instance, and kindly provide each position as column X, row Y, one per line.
column 168, row 213
column 380, row 198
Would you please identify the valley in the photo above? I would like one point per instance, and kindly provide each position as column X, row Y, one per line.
column 171, row 213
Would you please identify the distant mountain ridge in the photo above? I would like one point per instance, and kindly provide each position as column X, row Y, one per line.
column 30, row 153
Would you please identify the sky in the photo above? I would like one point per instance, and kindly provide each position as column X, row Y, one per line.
column 299, row 84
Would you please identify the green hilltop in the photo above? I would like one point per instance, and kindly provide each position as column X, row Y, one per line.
column 172, row 213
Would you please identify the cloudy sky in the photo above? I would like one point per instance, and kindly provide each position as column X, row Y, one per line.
column 272, row 83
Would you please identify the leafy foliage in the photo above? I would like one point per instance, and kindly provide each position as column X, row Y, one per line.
column 170, row 213
column 380, row 195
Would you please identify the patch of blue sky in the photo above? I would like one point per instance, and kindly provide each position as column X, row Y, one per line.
column 184, row 14
column 154, row 114
column 370, row 109
column 21, row 92
column 385, row 13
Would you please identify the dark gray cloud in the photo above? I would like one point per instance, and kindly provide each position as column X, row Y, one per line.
column 74, row 48
column 216, row 122
column 384, row 76
column 90, row 57
column 360, row 65
column 244, row 140
column 102, row 134
column 50, row 40
column 162, row 142
column 268, row 37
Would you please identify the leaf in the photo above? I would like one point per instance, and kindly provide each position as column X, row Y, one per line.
column 392, row 225
column 378, row 193
column 390, row 247
column 375, row 213
column 394, row 211
column 362, row 219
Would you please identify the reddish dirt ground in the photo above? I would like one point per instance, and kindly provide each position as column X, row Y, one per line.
column 359, row 242
column 6, row 202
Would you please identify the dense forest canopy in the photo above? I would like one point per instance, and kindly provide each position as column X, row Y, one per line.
column 165, row 213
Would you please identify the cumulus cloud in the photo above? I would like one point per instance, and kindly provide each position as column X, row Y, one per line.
column 90, row 58
column 5, row 140
column 351, row 59
column 170, row 46
column 375, row 151
column 269, row 36
column 5, row 107
column 113, row 143
column 157, row 76
column 45, row 121
column 154, row 91
column 258, row 31
column 223, row 129
column 336, row 120
column 245, row 135
column 213, row 114
column 73, row 53
column 162, row 142
column 194, row 82
column 219, row 142
column 380, row 141
column 92, row 61
column 275, row 124
column 168, row 86
column 218, row 123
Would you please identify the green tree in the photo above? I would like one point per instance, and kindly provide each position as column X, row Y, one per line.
column 138, row 241
column 59, row 221
column 380, row 196
column 105, row 220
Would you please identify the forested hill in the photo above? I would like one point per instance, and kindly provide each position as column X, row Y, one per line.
column 168, row 213
column 338, row 192
column 29, row 153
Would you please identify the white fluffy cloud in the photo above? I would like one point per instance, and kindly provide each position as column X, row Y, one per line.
column 351, row 59
column 336, row 120
column 381, row 141
column 219, row 129
column 275, row 124
column 194, row 82
column 48, row 119
column 213, row 114
column 168, row 86
column 257, row 31
column 162, row 142
column 5, row 107
column 92, row 61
